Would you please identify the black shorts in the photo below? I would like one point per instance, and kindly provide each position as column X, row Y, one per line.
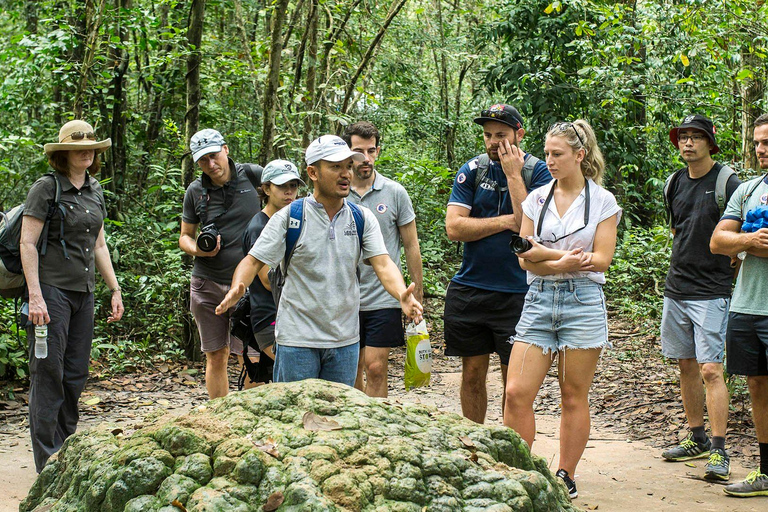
column 746, row 344
column 479, row 322
column 382, row 328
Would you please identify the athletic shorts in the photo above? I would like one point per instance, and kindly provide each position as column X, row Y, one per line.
column 564, row 314
column 479, row 322
column 694, row 329
column 382, row 328
column 204, row 296
column 747, row 342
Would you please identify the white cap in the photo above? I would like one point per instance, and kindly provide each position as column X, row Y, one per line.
column 331, row 148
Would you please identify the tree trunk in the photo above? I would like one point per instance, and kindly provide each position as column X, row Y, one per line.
column 441, row 64
column 752, row 91
column 92, row 22
column 309, row 97
column 191, row 120
column 30, row 11
column 273, row 78
column 349, row 90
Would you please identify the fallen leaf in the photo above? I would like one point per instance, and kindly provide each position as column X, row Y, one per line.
column 473, row 457
column 314, row 422
column 268, row 446
column 592, row 507
column 273, row 502
column 468, row 442
column 178, row 505
column 116, row 431
column 93, row 401
column 690, row 464
column 163, row 368
column 163, row 402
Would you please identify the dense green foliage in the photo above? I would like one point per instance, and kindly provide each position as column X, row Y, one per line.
column 632, row 68
column 311, row 445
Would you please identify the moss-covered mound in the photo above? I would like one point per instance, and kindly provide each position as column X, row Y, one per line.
column 260, row 450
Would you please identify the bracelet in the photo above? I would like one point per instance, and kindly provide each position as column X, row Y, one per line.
column 115, row 289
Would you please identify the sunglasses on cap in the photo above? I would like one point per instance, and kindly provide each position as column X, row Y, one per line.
column 563, row 126
column 80, row 136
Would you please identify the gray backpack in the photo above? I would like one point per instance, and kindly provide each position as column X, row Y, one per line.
column 724, row 174
column 484, row 162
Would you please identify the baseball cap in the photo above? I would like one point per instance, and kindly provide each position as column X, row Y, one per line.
column 697, row 122
column 204, row 142
column 280, row 172
column 331, row 148
column 506, row 114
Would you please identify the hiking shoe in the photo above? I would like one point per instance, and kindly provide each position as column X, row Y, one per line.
column 569, row 483
column 719, row 465
column 687, row 450
column 756, row 484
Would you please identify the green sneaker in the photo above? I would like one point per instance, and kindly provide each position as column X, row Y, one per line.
column 687, row 450
column 719, row 465
column 756, row 484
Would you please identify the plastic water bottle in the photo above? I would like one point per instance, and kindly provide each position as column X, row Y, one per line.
column 41, row 341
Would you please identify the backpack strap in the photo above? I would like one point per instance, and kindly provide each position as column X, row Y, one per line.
column 52, row 209
column 483, row 163
column 528, row 167
column 357, row 214
column 252, row 172
column 295, row 224
column 723, row 176
column 667, row 194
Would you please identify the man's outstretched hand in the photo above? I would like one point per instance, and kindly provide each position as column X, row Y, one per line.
column 411, row 307
column 231, row 298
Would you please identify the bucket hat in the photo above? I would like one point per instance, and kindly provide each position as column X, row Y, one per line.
column 697, row 122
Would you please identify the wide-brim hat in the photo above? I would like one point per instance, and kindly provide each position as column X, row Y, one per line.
column 697, row 122
column 76, row 135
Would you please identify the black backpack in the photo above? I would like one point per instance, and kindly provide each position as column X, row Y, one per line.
column 12, row 281
column 240, row 326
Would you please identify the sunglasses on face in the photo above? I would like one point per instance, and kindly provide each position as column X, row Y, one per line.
column 80, row 136
column 564, row 126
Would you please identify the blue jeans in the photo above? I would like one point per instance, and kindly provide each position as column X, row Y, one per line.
column 331, row 364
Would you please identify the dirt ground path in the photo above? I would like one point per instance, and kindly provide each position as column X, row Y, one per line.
column 621, row 468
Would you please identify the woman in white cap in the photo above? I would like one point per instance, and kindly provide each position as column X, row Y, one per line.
column 280, row 182
column 60, row 281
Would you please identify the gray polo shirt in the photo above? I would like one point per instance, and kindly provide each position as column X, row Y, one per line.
column 231, row 224
column 85, row 214
column 321, row 297
column 392, row 207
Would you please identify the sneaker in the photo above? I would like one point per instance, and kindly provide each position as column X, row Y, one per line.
column 687, row 450
column 756, row 484
column 569, row 483
column 719, row 465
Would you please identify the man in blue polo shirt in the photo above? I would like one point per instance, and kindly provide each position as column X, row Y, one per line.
column 485, row 298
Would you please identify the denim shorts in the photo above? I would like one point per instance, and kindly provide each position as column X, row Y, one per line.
column 332, row 364
column 694, row 329
column 563, row 314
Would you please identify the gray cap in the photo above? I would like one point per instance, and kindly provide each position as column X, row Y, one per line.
column 204, row 142
column 330, row 148
column 280, row 172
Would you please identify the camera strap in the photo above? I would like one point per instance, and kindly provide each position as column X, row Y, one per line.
column 229, row 196
column 545, row 207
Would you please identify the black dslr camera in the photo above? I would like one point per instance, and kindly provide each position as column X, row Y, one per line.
column 206, row 240
column 518, row 244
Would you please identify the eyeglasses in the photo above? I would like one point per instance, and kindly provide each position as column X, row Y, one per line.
column 695, row 137
column 80, row 136
column 545, row 207
column 563, row 126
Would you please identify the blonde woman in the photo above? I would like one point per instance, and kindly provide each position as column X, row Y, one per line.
column 570, row 229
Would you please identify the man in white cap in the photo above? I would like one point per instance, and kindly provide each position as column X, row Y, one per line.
column 217, row 208
column 317, row 329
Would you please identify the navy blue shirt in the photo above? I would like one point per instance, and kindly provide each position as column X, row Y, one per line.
column 488, row 263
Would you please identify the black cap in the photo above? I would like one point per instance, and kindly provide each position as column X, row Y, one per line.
column 697, row 122
column 506, row 114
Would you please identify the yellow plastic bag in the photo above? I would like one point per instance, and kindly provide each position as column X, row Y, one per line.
column 418, row 356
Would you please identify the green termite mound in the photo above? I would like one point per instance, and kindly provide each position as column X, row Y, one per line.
column 302, row 446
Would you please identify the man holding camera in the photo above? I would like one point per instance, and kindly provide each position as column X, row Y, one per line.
column 747, row 335
column 697, row 292
column 484, row 300
column 220, row 203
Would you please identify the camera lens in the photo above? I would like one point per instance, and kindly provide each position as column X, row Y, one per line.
column 519, row 244
column 206, row 240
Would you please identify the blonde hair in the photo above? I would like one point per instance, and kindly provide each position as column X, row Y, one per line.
column 579, row 134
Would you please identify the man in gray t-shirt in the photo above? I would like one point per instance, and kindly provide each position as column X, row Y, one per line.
column 223, row 197
column 381, row 323
column 316, row 330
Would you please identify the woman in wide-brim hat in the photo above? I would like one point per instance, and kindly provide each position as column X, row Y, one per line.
column 60, row 281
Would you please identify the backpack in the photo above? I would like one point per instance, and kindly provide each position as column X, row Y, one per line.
column 11, row 273
column 253, row 172
column 278, row 274
column 484, row 162
column 240, row 326
column 724, row 174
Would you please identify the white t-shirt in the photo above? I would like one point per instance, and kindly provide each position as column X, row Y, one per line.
column 602, row 205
